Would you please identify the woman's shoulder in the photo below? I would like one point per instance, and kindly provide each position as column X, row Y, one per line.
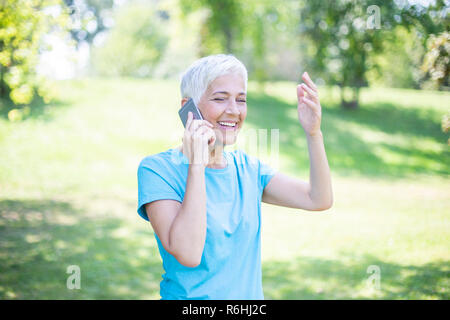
column 166, row 158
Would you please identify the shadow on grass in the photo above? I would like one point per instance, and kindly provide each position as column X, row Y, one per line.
column 315, row 278
column 388, row 118
column 38, row 109
column 348, row 153
column 41, row 238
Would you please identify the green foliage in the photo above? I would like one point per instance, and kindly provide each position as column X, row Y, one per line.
column 437, row 60
column 22, row 25
column 433, row 19
column 344, row 45
column 221, row 26
column 264, row 28
column 341, row 35
column 242, row 28
column 134, row 45
column 398, row 66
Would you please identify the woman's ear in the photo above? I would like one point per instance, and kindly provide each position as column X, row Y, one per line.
column 183, row 101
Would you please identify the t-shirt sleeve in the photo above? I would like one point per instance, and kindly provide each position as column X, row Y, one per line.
column 153, row 185
column 266, row 172
column 259, row 169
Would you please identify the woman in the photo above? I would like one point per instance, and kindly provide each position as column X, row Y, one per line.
column 206, row 210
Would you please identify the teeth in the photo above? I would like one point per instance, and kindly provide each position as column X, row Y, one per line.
column 227, row 124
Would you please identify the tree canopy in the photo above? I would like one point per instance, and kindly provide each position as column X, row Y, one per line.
column 22, row 26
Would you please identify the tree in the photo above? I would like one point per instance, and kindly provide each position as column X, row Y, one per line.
column 89, row 18
column 134, row 45
column 432, row 24
column 341, row 35
column 268, row 20
column 22, row 25
column 399, row 64
column 240, row 28
column 222, row 26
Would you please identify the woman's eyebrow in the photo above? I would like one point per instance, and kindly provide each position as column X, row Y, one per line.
column 225, row 92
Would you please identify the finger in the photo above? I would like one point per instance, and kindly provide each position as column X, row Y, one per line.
column 189, row 120
column 202, row 134
column 312, row 94
column 311, row 104
column 209, row 136
column 200, row 130
column 308, row 80
column 195, row 125
column 200, row 123
column 212, row 139
column 300, row 93
column 208, row 123
column 208, row 132
column 188, row 128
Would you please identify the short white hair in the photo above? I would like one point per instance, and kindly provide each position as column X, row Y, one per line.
column 202, row 72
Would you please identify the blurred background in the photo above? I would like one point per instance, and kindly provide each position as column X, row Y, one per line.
column 89, row 87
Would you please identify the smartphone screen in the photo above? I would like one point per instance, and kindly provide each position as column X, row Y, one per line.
column 189, row 106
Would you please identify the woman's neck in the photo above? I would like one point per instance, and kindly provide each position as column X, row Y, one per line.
column 216, row 158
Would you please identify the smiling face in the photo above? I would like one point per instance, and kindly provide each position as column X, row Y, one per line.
column 224, row 105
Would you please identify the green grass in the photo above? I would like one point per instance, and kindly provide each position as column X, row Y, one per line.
column 68, row 194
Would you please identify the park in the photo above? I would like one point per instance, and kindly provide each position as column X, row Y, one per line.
column 69, row 157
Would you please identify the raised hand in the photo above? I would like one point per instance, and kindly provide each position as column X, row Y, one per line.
column 309, row 108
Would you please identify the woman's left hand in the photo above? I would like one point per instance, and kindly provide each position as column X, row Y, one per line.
column 309, row 109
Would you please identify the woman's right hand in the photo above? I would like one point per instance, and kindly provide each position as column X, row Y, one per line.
column 198, row 136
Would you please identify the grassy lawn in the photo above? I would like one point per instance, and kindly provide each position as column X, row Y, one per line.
column 68, row 194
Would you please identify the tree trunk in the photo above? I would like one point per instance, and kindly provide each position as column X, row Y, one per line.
column 228, row 39
column 354, row 102
column 202, row 50
column 2, row 91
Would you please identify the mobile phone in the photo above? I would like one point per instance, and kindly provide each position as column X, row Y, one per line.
column 189, row 106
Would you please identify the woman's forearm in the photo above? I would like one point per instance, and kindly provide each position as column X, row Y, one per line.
column 319, row 174
column 188, row 231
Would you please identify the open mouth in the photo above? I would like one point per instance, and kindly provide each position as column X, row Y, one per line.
column 227, row 125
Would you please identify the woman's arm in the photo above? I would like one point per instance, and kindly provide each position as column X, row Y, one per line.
column 316, row 195
column 319, row 172
column 294, row 193
column 182, row 227
column 188, row 231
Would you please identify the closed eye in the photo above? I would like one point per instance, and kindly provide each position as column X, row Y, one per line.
column 222, row 99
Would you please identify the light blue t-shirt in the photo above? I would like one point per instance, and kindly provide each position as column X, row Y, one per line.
column 230, row 267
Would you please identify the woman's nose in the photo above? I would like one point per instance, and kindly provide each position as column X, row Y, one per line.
column 233, row 108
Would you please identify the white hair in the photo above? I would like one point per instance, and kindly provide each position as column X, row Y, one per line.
column 202, row 72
